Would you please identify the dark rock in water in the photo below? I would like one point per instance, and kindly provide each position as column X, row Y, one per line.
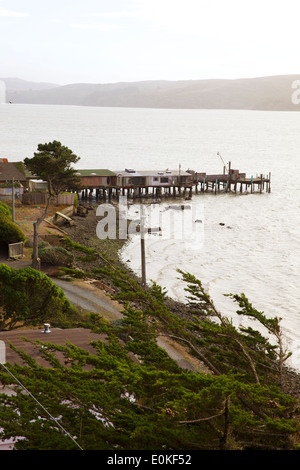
column 179, row 207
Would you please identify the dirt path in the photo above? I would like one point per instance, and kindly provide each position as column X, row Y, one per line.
column 88, row 297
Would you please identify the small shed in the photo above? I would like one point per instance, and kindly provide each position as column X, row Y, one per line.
column 94, row 179
column 37, row 185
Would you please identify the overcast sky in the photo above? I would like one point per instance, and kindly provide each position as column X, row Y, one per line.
column 105, row 41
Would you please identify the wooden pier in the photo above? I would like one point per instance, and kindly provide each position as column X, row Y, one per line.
column 234, row 181
column 106, row 184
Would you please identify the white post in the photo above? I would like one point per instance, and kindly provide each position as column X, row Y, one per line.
column 2, row 92
column 2, row 352
column 13, row 200
column 143, row 256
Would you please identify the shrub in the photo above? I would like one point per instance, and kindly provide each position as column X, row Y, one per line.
column 29, row 297
column 5, row 209
column 75, row 198
column 75, row 273
column 28, row 243
column 10, row 232
column 41, row 244
column 56, row 256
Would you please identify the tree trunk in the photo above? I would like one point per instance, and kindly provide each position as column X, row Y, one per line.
column 36, row 262
column 224, row 439
column 35, row 253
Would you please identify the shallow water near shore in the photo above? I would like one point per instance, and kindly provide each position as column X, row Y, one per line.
column 234, row 257
column 256, row 251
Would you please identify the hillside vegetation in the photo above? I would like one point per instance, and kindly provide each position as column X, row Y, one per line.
column 129, row 394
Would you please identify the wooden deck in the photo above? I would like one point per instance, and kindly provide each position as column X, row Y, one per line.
column 240, row 183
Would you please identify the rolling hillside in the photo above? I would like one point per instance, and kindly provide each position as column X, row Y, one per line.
column 272, row 93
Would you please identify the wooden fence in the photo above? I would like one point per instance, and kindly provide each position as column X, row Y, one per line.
column 15, row 250
column 38, row 198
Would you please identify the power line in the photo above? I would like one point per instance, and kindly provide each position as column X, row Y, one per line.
column 46, row 411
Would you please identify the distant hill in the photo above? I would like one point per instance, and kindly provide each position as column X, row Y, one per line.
column 272, row 93
column 17, row 84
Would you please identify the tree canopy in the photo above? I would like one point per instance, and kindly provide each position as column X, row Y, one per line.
column 53, row 164
column 129, row 394
column 9, row 231
column 28, row 298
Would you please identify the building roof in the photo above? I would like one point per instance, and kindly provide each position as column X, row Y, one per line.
column 10, row 170
column 101, row 172
column 24, row 340
column 167, row 172
column 130, row 173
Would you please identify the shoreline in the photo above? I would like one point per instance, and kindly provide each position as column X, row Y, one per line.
column 84, row 232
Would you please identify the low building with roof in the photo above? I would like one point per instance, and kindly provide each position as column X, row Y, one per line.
column 12, row 174
column 153, row 178
column 10, row 171
column 93, row 179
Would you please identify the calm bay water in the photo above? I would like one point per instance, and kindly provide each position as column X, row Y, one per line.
column 260, row 253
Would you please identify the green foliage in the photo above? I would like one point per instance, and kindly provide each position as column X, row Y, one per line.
column 10, row 184
column 21, row 167
column 76, row 273
column 90, row 254
column 129, row 394
column 128, row 289
column 106, row 400
column 53, row 163
column 71, row 245
column 56, row 255
column 158, row 292
column 5, row 209
column 28, row 298
column 272, row 324
column 10, row 232
column 75, row 198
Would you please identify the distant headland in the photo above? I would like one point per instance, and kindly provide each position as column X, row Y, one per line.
column 272, row 93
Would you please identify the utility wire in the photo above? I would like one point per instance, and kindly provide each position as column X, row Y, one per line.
column 46, row 411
